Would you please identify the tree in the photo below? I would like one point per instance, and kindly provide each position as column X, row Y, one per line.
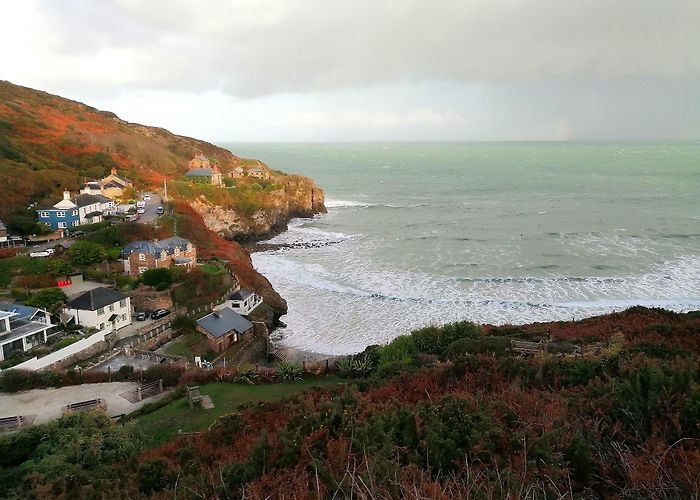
column 155, row 277
column 85, row 252
column 49, row 299
column 24, row 222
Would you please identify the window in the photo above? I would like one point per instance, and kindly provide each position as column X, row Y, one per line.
column 123, row 317
column 76, row 223
column 60, row 214
column 122, row 303
column 111, row 307
column 43, row 214
column 142, row 269
column 100, row 311
column 62, row 225
column 75, row 212
column 142, row 256
column 102, row 326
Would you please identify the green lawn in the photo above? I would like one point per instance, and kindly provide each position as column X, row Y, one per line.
column 183, row 346
column 163, row 424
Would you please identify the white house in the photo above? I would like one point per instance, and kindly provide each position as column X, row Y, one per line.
column 22, row 328
column 243, row 301
column 90, row 208
column 100, row 308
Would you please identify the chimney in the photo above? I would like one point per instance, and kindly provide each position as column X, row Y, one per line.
column 217, row 312
column 114, row 171
column 66, row 195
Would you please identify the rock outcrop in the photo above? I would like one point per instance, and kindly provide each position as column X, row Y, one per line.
column 298, row 197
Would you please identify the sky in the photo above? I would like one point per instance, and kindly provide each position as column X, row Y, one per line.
column 368, row 70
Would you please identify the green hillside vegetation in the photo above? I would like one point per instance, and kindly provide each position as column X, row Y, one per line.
column 445, row 412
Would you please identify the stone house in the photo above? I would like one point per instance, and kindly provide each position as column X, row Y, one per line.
column 258, row 172
column 140, row 256
column 236, row 172
column 223, row 327
column 206, row 175
column 199, row 161
column 112, row 186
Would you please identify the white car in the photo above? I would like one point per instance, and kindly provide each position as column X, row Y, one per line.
column 141, row 211
column 146, row 197
column 42, row 253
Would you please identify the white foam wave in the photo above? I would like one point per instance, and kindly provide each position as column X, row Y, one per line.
column 346, row 203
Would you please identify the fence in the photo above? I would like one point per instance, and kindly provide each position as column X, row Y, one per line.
column 35, row 363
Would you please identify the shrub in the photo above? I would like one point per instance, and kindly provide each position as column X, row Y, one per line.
column 49, row 299
column 289, row 371
column 85, row 253
column 497, row 346
column 163, row 285
column 169, row 373
column 158, row 276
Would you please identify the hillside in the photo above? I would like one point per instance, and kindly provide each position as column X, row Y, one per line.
column 445, row 412
column 49, row 144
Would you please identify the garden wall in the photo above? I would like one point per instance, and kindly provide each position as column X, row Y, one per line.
column 77, row 351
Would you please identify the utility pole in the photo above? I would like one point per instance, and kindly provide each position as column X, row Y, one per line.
column 165, row 189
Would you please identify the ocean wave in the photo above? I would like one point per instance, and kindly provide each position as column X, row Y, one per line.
column 346, row 203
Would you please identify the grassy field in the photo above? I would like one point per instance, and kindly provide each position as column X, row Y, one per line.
column 184, row 345
column 164, row 423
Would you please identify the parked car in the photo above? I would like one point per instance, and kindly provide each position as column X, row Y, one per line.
column 78, row 233
column 160, row 210
column 141, row 211
column 140, row 316
column 42, row 253
column 146, row 197
column 159, row 313
column 140, row 204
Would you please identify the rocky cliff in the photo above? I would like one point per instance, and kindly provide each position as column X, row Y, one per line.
column 296, row 197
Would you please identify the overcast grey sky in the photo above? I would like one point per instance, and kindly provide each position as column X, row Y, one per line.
column 324, row 70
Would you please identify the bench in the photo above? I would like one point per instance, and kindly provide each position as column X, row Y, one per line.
column 87, row 405
column 193, row 395
column 526, row 347
column 150, row 389
column 11, row 423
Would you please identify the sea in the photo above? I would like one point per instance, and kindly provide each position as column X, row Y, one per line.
column 502, row 233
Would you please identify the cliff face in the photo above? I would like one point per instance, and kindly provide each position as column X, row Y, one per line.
column 297, row 197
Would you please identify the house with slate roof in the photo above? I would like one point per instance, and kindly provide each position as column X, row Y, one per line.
column 199, row 161
column 100, row 308
column 22, row 328
column 205, row 175
column 112, row 186
column 243, row 301
column 140, row 256
column 73, row 212
column 223, row 327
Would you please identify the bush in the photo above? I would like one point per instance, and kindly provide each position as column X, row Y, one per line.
column 48, row 299
column 163, row 285
column 290, row 371
column 85, row 253
column 497, row 346
column 156, row 277
column 169, row 373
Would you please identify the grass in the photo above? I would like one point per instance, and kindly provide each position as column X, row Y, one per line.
column 163, row 424
column 212, row 269
column 187, row 346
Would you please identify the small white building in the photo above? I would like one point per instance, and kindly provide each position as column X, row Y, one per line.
column 22, row 328
column 258, row 172
column 243, row 301
column 100, row 308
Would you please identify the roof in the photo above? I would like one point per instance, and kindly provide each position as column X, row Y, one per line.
column 256, row 169
column 64, row 204
column 183, row 260
column 114, row 184
column 227, row 320
column 22, row 328
column 21, row 310
column 240, row 294
column 156, row 247
column 200, row 172
column 96, row 298
column 83, row 200
column 103, row 199
column 93, row 214
column 93, row 185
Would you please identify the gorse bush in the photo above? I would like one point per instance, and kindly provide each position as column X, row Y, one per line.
column 289, row 371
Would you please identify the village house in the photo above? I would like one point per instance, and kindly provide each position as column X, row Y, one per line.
column 100, row 308
column 22, row 328
column 205, row 175
column 243, row 301
column 223, row 327
column 199, row 161
column 83, row 209
column 3, row 232
column 258, row 172
column 236, row 173
column 112, row 186
column 140, row 256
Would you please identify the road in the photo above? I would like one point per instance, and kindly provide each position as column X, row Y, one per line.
column 151, row 205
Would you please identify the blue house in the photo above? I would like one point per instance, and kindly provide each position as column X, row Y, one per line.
column 62, row 215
